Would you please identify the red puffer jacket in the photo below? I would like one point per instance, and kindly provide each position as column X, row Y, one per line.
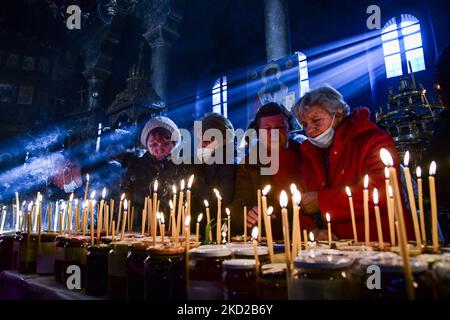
column 354, row 153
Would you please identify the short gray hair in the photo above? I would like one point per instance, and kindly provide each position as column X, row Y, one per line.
column 325, row 97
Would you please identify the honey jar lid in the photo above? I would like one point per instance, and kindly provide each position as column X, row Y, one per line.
column 210, row 252
column 273, row 270
column 250, row 251
column 393, row 264
column 442, row 270
column 322, row 261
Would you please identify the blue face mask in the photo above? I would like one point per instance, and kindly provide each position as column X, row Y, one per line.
column 325, row 139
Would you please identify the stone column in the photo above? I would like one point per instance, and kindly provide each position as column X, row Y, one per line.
column 277, row 29
column 160, row 40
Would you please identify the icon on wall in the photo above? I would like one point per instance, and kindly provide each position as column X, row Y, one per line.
column 25, row 95
column 28, row 63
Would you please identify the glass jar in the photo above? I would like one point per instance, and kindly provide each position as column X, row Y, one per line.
column 392, row 280
column 137, row 253
column 272, row 283
column 205, row 273
column 97, row 269
column 117, row 270
column 46, row 254
column 165, row 273
column 6, row 251
column 239, row 279
column 75, row 250
column 25, row 252
column 321, row 277
column 59, row 257
column 441, row 273
column 249, row 253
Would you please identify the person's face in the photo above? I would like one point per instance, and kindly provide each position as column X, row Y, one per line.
column 271, row 123
column 203, row 143
column 159, row 145
column 317, row 120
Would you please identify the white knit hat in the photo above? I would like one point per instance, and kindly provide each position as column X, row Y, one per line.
column 160, row 122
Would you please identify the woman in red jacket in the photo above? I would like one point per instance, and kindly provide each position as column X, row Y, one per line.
column 342, row 147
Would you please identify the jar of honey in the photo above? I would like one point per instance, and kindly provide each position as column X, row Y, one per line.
column 272, row 283
column 46, row 254
column 239, row 279
column 97, row 270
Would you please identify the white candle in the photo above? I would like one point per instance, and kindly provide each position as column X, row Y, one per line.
column 328, row 218
column 378, row 219
column 366, row 210
column 421, row 211
column 229, row 224
column 155, row 202
column 434, row 215
column 412, row 200
column 352, row 213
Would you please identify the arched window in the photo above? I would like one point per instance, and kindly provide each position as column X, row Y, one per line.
column 402, row 44
column 219, row 96
column 303, row 70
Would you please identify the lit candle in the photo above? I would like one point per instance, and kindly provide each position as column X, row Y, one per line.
column 158, row 218
column 263, row 195
column 163, row 229
column 327, row 215
column 296, row 227
column 389, row 205
column 113, row 227
column 87, row 187
column 258, row 194
column 124, row 219
column 111, row 214
column 269, row 234
column 287, row 242
column 18, row 212
column 412, row 200
column 188, row 194
column 352, row 213
column 421, row 211
column 229, row 224
column 366, row 210
column 83, row 218
column 173, row 211
column 311, row 239
column 172, row 222
column 187, row 224
column 208, row 220
column 91, row 211
column 107, row 219
column 197, row 227
column 255, row 247
column 434, row 215
column 119, row 216
column 180, row 208
column 100, row 215
column 378, row 219
column 245, row 223
column 155, row 205
column 219, row 215
column 398, row 211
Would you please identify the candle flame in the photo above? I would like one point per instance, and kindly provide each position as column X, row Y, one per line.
column 104, row 193
column 171, row 204
column 200, row 217
column 158, row 216
column 419, row 172
column 125, row 205
column 63, row 206
column 348, row 191
column 433, row 168
column 70, row 198
column 269, row 211
column 155, row 186
column 375, row 196
column 406, row 159
column 293, row 188
column 30, row 205
column 366, row 181
column 92, row 194
column 87, row 177
column 162, row 218
column 227, row 211
column 174, row 189
column 182, row 185
column 206, row 203
column 386, row 173
column 283, row 199
column 390, row 192
column 217, row 194
column 84, row 205
column 255, row 233
column 327, row 216
column 122, row 197
column 311, row 236
column 266, row 190
column 386, row 157
column 76, row 202
column 187, row 221
column 297, row 197
column 190, row 181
